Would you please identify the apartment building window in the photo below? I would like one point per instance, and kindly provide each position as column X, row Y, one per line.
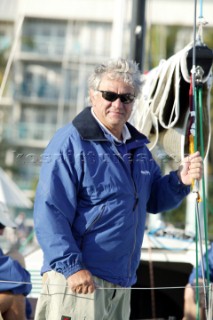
column 41, row 81
column 50, row 82
column 37, row 122
column 89, row 38
column 43, row 37
column 70, row 84
column 80, row 38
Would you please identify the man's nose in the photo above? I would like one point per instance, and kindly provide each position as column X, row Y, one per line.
column 117, row 103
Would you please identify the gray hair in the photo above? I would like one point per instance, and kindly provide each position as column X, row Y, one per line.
column 122, row 69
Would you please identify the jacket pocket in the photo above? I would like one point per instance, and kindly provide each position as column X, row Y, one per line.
column 93, row 222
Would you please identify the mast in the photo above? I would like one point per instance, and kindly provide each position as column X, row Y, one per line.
column 140, row 32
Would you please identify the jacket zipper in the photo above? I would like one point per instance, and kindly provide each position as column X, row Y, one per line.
column 134, row 207
column 133, row 183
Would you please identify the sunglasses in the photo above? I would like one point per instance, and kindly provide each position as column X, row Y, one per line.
column 112, row 96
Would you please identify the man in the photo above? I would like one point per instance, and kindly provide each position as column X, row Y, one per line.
column 97, row 181
column 15, row 279
column 190, row 308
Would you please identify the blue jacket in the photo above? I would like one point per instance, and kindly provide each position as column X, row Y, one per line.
column 91, row 202
column 13, row 276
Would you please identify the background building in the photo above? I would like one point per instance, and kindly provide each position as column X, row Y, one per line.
column 47, row 50
column 51, row 50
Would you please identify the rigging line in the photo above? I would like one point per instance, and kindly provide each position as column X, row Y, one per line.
column 152, row 281
column 101, row 288
column 120, row 288
column 13, row 49
column 201, row 23
column 196, row 184
column 11, row 56
column 201, row 252
column 197, row 283
column 200, row 112
column 201, row 9
column 193, row 145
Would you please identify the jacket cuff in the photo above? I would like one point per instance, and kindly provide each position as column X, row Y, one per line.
column 177, row 184
column 72, row 269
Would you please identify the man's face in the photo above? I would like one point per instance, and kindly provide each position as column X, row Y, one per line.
column 114, row 114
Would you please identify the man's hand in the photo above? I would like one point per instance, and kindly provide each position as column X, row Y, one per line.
column 191, row 168
column 81, row 282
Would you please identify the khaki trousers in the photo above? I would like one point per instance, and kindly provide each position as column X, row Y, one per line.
column 57, row 302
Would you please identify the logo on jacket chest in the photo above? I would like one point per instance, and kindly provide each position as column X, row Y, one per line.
column 145, row 172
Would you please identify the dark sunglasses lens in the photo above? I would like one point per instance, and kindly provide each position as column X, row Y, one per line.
column 126, row 98
column 1, row 226
column 109, row 96
column 112, row 96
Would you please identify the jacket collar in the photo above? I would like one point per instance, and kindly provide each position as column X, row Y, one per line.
column 89, row 129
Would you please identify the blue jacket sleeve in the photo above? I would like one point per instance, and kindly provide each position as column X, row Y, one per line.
column 54, row 213
column 14, row 277
column 167, row 192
